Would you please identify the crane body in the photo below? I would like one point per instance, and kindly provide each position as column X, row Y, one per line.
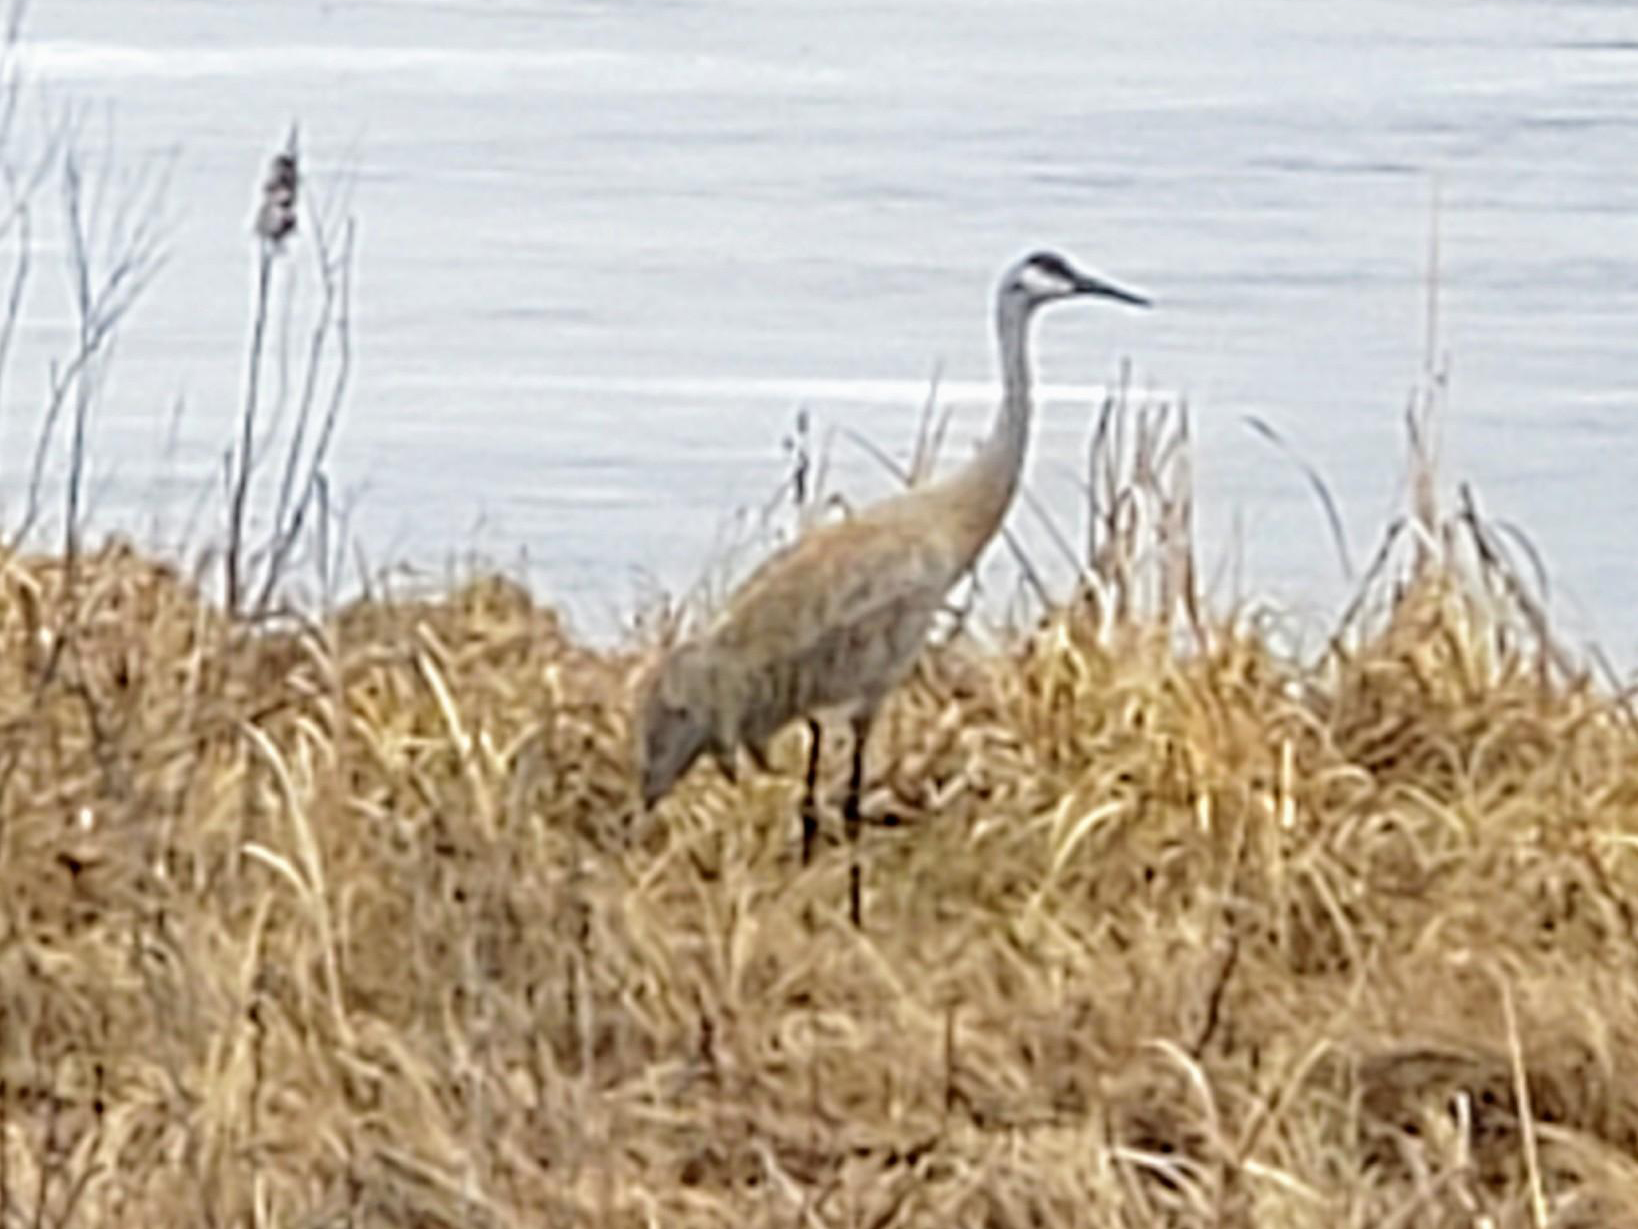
column 836, row 620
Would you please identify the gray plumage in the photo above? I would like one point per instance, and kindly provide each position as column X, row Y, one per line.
column 837, row 619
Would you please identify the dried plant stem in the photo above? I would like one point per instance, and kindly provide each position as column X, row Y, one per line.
column 242, row 464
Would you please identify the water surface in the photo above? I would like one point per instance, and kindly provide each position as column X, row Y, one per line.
column 609, row 249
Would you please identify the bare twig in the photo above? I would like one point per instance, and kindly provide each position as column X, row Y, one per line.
column 333, row 329
column 929, row 433
column 1317, row 483
column 114, row 251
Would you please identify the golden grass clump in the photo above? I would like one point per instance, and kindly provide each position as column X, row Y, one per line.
column 350, row 920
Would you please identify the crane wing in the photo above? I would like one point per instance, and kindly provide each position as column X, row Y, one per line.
column 851, row 579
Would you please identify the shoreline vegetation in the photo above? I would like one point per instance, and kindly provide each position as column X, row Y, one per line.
column 352, row 920
column 341, row 913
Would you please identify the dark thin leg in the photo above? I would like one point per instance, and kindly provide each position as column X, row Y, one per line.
column 810, row 801
column 853, row 818
column 726, row 765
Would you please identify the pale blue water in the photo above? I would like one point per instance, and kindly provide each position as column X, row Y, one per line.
column 607, row 249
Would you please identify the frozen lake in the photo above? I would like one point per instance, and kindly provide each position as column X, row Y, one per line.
column 607, row 249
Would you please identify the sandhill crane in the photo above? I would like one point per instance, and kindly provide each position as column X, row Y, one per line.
column 836, row 619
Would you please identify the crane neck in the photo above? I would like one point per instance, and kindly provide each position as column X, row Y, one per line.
column 1003, row 452
column 975, row 498
column 981, row 491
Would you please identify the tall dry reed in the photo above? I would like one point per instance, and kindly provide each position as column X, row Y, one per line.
column 351, row 920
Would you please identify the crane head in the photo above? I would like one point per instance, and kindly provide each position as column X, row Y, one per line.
column 671, row 724
column 1044, row 277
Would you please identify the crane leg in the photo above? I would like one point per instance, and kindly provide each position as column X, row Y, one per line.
column 853, row 818
column 810, row 800
column 726, row 765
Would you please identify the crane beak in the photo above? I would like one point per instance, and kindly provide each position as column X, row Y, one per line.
column 1108, row 290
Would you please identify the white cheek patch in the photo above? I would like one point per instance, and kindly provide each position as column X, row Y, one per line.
column 1039, row 283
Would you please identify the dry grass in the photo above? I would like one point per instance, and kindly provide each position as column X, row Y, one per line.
column 350, row 923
